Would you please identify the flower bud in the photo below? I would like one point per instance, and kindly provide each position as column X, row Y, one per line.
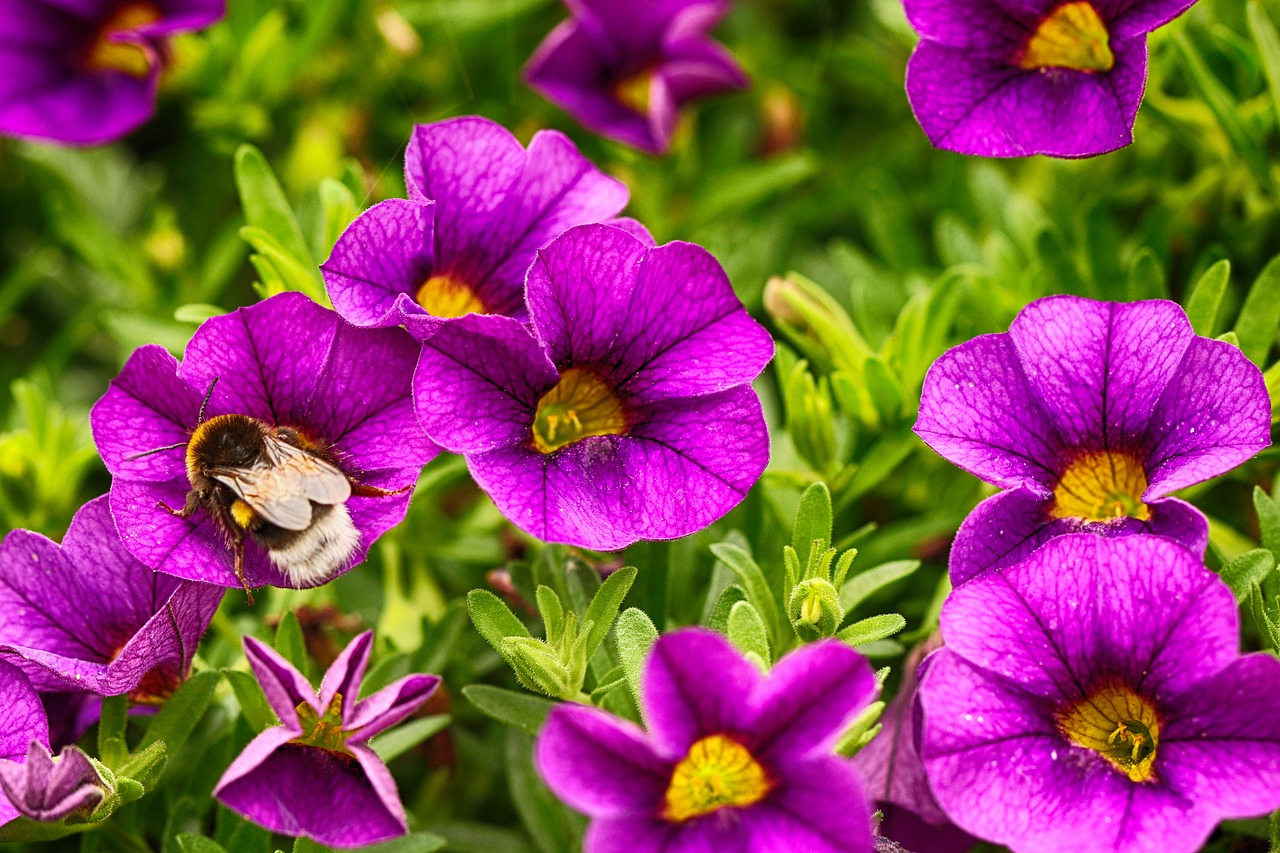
column 810, row 418
column 815, row 609
column 538, row 667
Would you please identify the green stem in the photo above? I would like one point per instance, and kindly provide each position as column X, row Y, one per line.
column 658, row 571
column 1275, row 832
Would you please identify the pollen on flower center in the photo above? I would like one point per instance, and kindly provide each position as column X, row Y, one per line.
column 634, row 91
column 1101, row 486
column 581, row 404
column 443, row 295
column 1071, row 36
column 1119, row 725
column 107, row 54
column 717, row 773
column 324, row 732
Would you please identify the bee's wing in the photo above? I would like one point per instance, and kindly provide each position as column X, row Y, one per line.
column 282, row 489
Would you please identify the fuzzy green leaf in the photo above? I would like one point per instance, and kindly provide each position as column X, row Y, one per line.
column 604, row 606
column 873, row 629
column 747, row 631
column 521, row 710
column 636, row 636
column 863, row 585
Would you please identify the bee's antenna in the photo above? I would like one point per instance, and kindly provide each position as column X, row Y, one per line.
column 205, row 403
column 157, row 450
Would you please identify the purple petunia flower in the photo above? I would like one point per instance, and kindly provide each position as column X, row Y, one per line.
column 86, row 72
column 624, row 69
column 1011, row 78
column 315, row 775
column 1089, row 414
column 627, row 414
column 22, row 722
column 48, row 790
column 895, row 775
column 298, row 428
column 88, row 617
column 731, row 759
column 479, row 206
column 1093, row 698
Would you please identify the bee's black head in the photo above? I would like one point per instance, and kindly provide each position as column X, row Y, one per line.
column 226, row 441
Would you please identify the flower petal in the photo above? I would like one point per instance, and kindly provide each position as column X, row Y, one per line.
column 22, row 718
column 818, row 806
column 346, row 672
column 282, row 684
column 380, row 261
column 390, row 705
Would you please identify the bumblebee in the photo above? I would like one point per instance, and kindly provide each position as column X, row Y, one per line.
column 277, row 486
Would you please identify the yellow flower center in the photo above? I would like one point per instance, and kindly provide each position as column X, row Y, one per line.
column 579, row 405
column 1101, row 486
column 634, row 92
column 324, row 732
column 445, row 296
column 717, row 773
column 1071, row 36
column 1119, row 725
column 106, row 54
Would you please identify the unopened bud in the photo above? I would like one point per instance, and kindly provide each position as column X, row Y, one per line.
column 538, row 667
column 815, row 609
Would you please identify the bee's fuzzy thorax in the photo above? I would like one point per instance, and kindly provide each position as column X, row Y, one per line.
column 222, row 440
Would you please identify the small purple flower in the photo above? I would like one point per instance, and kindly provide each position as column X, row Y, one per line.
column 624, row 69
column 314, row 775
column 88, row 617
column 895, row 775
column 479, row 206
column 1090, row 414
column 626, row 414
column 731, row 759
column 1093, row 698
column 298, row 515
column 86, row 72
column 47, row 790
column 1011, row 78
column 22, row 722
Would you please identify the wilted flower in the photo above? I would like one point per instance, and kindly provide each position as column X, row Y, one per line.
column 49, row 790
column 731, row 759
column 1090, row 414
column 22, row 722
column 624, row 69
column 626, row 414
column 1056, row 77
column 479, row 206
column 1093, row 698
column 86, row 72
column 315, row 775
column 338, row 395
column 87, row 616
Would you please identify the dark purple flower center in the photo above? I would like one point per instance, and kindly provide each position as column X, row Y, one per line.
column 324, row 732
column 1101, row 486
column 581, row 404
column 445, row 295
column 106, row 53
column 1072, row 36
column 718, row 772
column 1118, row 724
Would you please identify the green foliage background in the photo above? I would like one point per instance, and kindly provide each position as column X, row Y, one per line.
column 898, row 252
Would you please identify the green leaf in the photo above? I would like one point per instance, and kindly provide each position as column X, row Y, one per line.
column 265, row 205
column 1247, row 571
column 112, row 747
column 636, row 636
column 604, row 606
column 183, row 712
column 291, row 645
column 863, row 585
column 747, row 631
column 1204, row 307
column 340, row 209
column 414, row 842
column 190, row 843
column 813, row 521
column 520, row 710
column 253, row 703
column 753, row 581
column 551, row 610
column 875, row 628
column 291, row 274
column 1264, row 616
column 493, row 618
column 882, row 459
column 1268, row 520
column 1146, row 277
column 719, row 621
column 1264, row 33
column 142, row 768
column 1260, row 316
column 399, row 740
column 197, row 312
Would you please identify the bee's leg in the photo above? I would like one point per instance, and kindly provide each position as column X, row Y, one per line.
column 188, row 509
column 237, row 549
column 361, row 490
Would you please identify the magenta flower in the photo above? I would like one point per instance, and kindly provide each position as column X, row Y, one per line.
column 314, row 775
column 22, row 722
column 731, row 759
column 626, row 414
column 88, row 617
column 624, row 69
column 84, row 73
column 46, row 789
column 479, row 206
column 1090, row 414
column 1011, row 78
column 305, row 452
column 1093, row 698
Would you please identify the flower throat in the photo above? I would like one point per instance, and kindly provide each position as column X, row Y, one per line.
column 1101, row 486
column 107, row 54
column 580, row 405
column 1071, row 36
